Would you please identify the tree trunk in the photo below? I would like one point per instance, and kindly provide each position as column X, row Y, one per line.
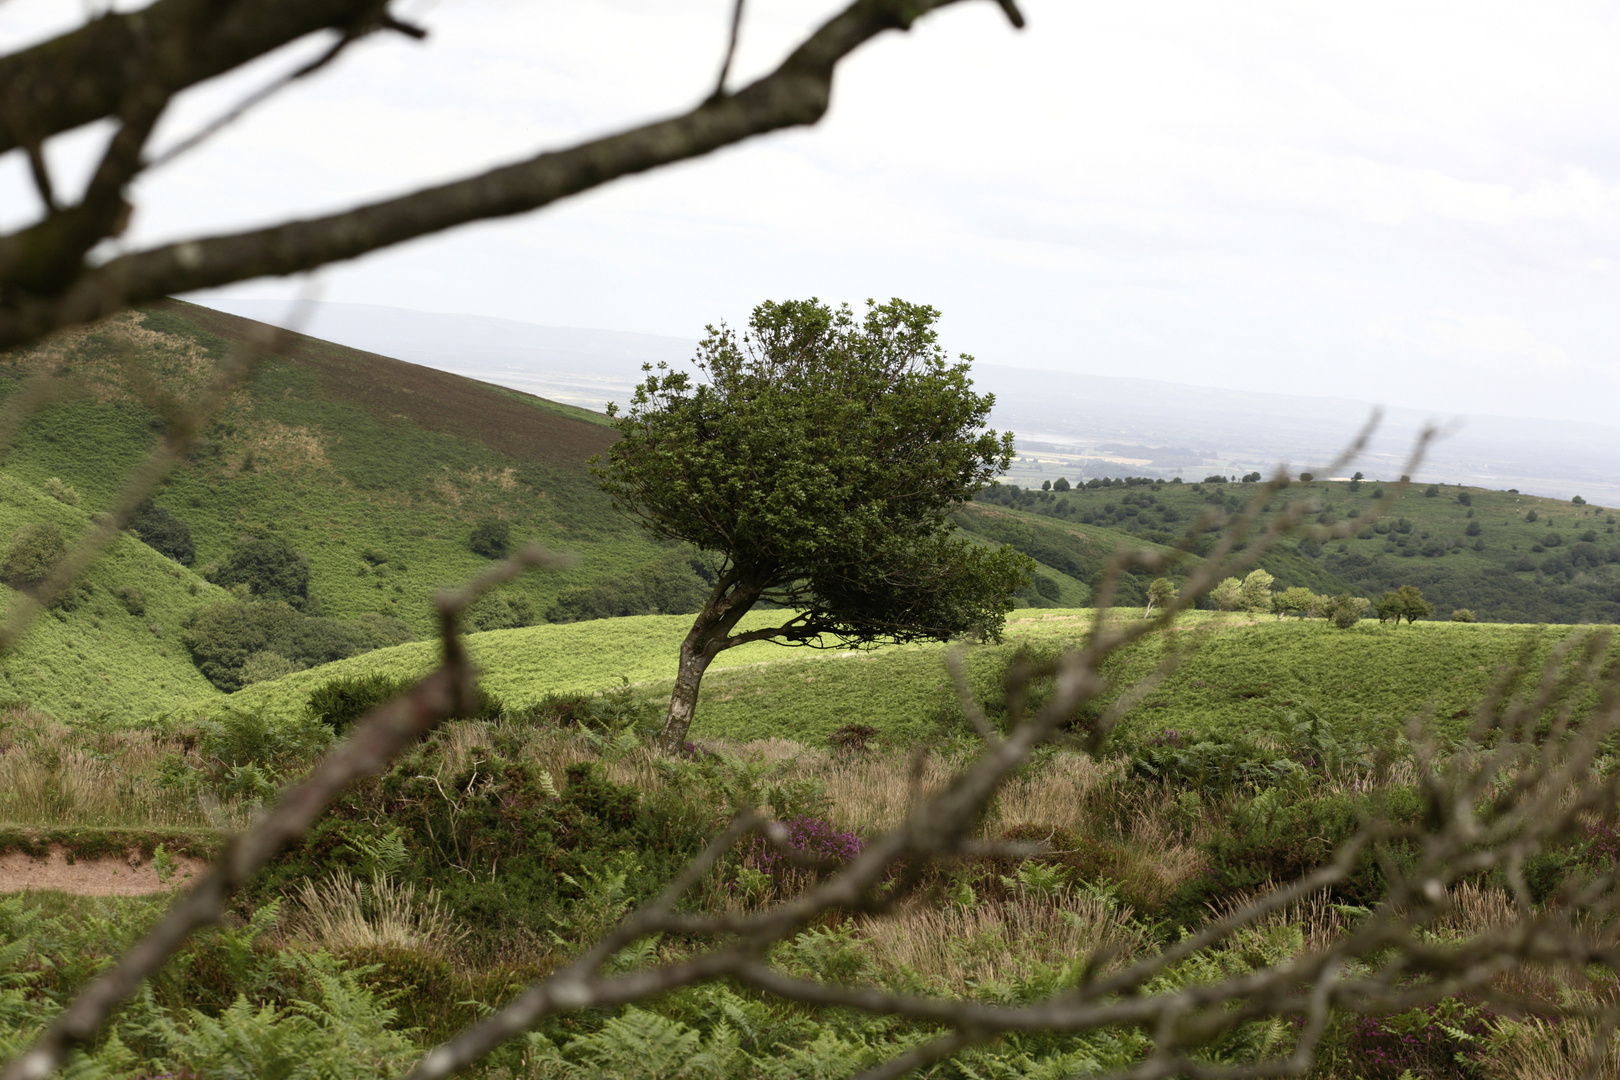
column 708, row 638
column 683, row 701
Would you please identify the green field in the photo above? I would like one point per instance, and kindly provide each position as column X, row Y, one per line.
column 1242, row 675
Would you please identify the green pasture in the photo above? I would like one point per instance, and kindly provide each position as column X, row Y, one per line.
column 1239, row 676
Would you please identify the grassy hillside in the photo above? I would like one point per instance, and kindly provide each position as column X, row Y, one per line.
column 101, row 658
column 375, row 470
column 1507, row 556
column 1243, row 675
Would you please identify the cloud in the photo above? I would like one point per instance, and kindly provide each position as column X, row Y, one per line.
column 1400, row 193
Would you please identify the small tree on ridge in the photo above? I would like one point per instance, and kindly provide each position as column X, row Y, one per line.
column 820, row 458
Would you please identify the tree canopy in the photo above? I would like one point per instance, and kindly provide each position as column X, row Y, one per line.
column 819, row 457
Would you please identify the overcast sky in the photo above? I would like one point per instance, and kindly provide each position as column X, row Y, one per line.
column 1413, row 202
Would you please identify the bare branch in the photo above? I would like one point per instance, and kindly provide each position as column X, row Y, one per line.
column 86, row 74
column 796, row 93
column 731, row 50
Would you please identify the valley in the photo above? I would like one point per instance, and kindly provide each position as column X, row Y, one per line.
column 159, row 708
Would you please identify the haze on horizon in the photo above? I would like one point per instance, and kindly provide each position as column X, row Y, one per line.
column 1415, row 203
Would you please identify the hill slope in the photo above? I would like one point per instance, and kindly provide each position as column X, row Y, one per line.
column 375, row 470
column 1243, row 676
column 116, row 650
column 1507, row 556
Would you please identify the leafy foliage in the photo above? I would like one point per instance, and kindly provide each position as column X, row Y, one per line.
column 224, row 638
column 163, row 531
column 269, row 568
column 35, row 549
column 820, row 456
column 491, row 538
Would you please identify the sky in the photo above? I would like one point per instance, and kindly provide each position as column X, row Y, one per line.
column 1413, row 202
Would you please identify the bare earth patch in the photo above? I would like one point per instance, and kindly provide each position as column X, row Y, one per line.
column 132, row 875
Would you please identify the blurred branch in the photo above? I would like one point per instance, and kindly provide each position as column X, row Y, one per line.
column 45, row 285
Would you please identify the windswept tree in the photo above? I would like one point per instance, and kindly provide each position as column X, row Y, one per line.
column 819, row 458
column 1160, row 594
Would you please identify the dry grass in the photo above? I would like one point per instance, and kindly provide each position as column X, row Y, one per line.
column 54, row 775
column 957, row 950
column 1536, row 1049
column 345, row 914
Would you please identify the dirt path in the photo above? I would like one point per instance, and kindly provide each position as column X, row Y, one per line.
column 132, row 875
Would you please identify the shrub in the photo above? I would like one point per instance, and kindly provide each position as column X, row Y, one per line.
column 1531, row 516
column 852, row 739
column 1463, row 614
column 35, row 548
column 223, row 637
column 810, row 840
column 382, row 631
column 1432, row 491
column 497, row 611
column 61, row 492
column 339, row 703
column 675, row 585
column 163, row 532
column 264, row 666
column 491, row 538
column 270, row 569
column 1465, row 499
column 133, row 599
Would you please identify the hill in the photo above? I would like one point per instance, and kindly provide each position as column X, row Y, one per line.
column 376, row 471
column 1507, row 556
column 113, row 650
column 1242, row 677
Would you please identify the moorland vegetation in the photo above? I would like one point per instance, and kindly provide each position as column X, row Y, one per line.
column 1506, row 556
column 1463, row 927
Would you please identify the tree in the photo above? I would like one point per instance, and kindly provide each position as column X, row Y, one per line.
column 1294, row 600
column 1404, row 603
column 269, row 568
column 1228, row 595
column 1160, row 594
column 491, row 538
column 1061, row 484
column 164, row 532
column 1255, row 593
column 819, row 458
column 1432, row 491
column 1344, row 610
column 1465, row 499
column 1046, row 485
